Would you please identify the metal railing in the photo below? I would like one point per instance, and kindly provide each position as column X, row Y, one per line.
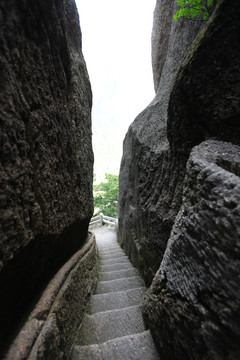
column 102, row 219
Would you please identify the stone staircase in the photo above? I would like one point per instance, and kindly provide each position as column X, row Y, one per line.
column 113, row 328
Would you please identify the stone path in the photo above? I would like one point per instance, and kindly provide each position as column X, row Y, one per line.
column 113, row 328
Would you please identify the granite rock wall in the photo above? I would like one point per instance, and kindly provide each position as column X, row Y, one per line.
column 150, row 176
column 46, row 152
column 193, row 305
column 179, row 201
column 204, row 101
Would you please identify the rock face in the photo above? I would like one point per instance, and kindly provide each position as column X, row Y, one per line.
column 204, row 102
column 151, row 176
column 162, row 22
column 193, row 306
column 46, row 153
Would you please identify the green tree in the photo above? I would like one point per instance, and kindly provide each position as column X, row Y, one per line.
column 190, row 9
column 106, row 196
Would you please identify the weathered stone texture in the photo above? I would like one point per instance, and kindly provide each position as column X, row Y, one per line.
column 46, row 153
column 162, row 22
column 52, row 325
column 193, row 305
column 150, row 177
column 204, row 102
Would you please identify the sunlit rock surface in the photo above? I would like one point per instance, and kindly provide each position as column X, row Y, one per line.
column 46, row 152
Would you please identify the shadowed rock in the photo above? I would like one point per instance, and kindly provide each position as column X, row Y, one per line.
column 151, row 177
column 46, row 153
column 204, row 101
column 51, row 327
column 192, row 307
column 193, row 304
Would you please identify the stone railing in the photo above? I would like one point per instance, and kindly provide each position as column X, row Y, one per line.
column 102, row 219
column 51, row 327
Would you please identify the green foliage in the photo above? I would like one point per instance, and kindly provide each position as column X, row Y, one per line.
column 190, row 9
column 106, row 196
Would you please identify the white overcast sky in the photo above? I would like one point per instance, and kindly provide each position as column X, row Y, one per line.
column 116, row 36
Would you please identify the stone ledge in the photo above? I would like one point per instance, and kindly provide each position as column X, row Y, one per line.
column 52, row 324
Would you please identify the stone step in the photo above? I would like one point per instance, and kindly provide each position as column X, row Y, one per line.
column 104, row 287
column 117, row 274
column 116, row 300
column 109, row 248
column 86, row 352
column 107, row 325
column 122, row 259
column 115, row 267
column 114, row 328
column 109, row 257
column 131, row 347
column 109, row 244
column 113, row 247
column 112, row 252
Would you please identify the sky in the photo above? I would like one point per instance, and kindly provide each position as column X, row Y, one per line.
column 116, row 38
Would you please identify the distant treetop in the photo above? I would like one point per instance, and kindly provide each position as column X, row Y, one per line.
column 106, row 196
column 190, row 9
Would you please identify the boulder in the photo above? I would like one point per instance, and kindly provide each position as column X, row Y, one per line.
column 46, row 152
column 151, row 177
column 204, row 101
column 193, row 305
column 179, row 194
column 162, row 22
column 193, row 308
